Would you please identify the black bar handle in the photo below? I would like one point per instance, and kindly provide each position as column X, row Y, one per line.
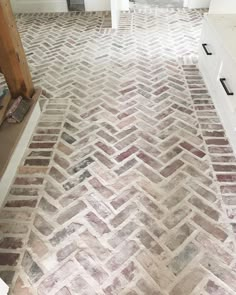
column 204, row 45
column 228, row 92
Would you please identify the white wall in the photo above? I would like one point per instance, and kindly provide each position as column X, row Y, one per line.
column 61, row 5
column 103, row 5
column 223, row 6
column 97, row 5
column 115, row 13
column 39, row 5
column 197, row 3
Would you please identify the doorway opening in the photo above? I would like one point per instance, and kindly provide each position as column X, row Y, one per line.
column 76, row 5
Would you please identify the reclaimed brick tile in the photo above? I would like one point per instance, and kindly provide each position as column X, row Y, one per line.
column 147, row 288
column 97, row 223
column 71, row 212
column 123, row 215
column 37, row 245
column 14, row 228
column 11, row 243
column 121, row 199
column 66, row 251
column 159, row 274
column 36, row 162
column 129, row 249
column 222, row 272
column 104, row 160
column 104, row 191
column 176, row 216
column 210, row 228
column 28, row 181
column 176, row 197
column 128, row 165
column 57, row 175
column 78, row 193
column 130, row 271
column 179, row 262
column 149, row 161
column 64, row 233
column 179, row 236
column 214, row 248
column 122, row 234
column 121, row 157
column 20, row 288
column 21, row 203
column 32, row 269
column 88, row 263
column 63, row 291
column 52, row 280
column 209, row 211
column 188, row 283
column 213, row 288
column 10, row 259
column 101, row 251
column 171, row 168
column 42, row 226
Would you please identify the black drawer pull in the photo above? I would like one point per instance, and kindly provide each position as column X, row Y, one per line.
column 205, row 49
column 228, row 92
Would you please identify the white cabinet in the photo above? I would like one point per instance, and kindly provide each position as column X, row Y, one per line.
column 222, row 6
column 95, row 5
column 208, row 55
column 217, row 63
column 197, row 3
column 25, row 6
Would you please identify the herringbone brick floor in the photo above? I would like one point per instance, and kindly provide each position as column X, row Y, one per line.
column 128, row 184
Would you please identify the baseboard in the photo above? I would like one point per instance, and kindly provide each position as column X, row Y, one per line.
column 9, row 174
column 21, row 6
column 3, row 288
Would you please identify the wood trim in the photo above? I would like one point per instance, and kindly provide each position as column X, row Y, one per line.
column 13, row 61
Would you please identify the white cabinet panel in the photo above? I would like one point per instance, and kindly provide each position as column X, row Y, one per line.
column 217, row 62
column 227, row 86
column 24, row 6
column 95, row 5
column 222, row 6
column 197, row 3
column 209, row 53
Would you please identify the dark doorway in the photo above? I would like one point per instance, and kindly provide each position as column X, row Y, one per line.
column 76, row 5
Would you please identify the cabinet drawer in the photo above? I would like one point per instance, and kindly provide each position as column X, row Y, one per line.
column 209, row 53
column 227, row 84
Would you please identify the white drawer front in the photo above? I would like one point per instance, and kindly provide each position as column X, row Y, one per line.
column 209, row 53
column 227, row 85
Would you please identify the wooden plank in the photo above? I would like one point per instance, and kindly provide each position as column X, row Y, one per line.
column 4, row 102
column 13, row 61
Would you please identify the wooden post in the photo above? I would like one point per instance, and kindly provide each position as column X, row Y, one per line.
column 13, row 63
